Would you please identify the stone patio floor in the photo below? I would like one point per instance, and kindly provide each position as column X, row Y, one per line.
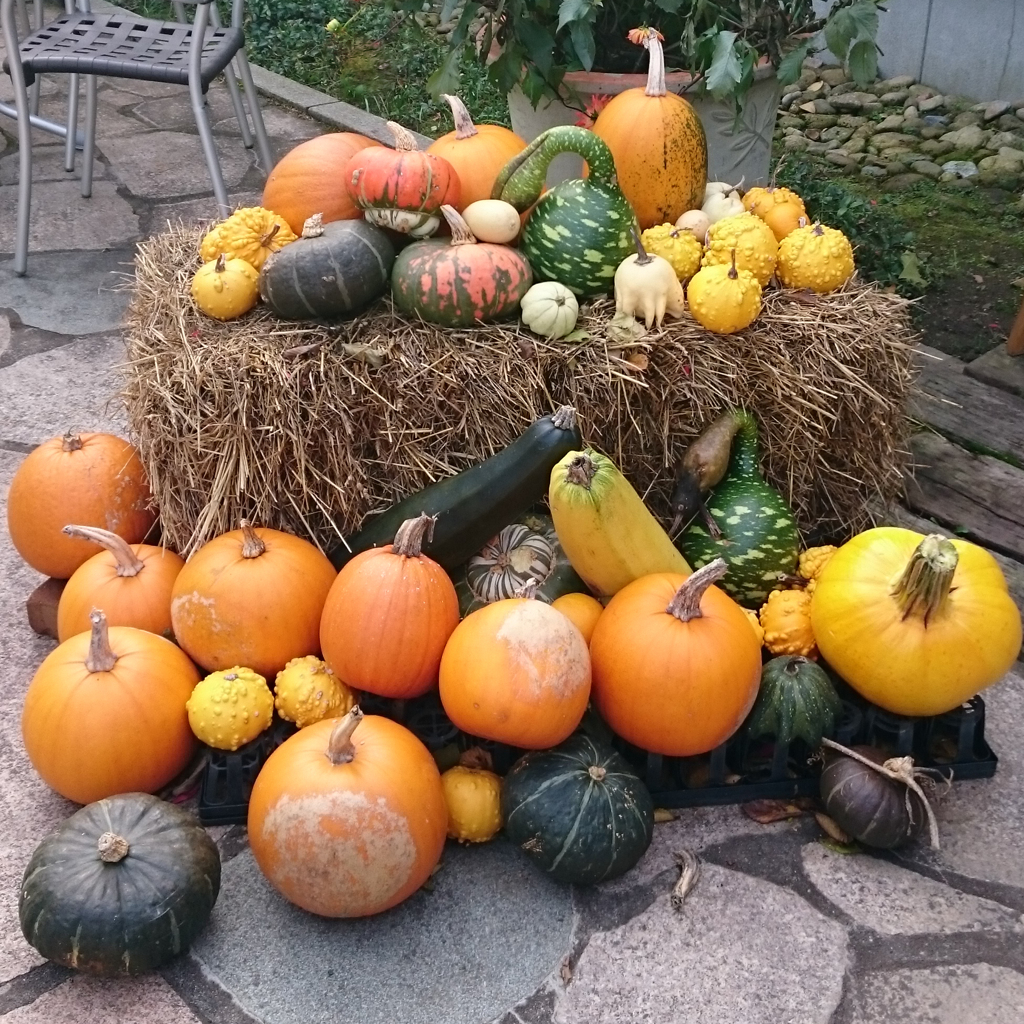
column 779, row 929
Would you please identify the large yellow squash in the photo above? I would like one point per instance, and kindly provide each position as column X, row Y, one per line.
column 915, row 624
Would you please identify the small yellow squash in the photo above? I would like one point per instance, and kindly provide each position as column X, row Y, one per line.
column 813, row 560
column 724, row 299
column 760, row 200
column 249, row 234
column 815, row 257
column 752, row 241
column 226, row 289
column 755, row 624
column 677, row 245
column 647, row 286
column 473, row 795
column 786, row 621
column 306, row 691
column 492, row 220
column 230, row 708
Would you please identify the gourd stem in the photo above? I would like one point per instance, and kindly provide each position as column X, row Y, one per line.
column 464, row 127
column 340, row 748
column 128, row 563
column 477, row 757
column 656, row 68
column 313, row 226
column 412, row 534
column 269, row 236
column 924, row 586
column 899, row 769
column 528, row 591
column 252, row 546
column 564, row 417
column 794, row 665
column 405, row 141
column 597, row 772
column 642, row 255
column 818, row 230
column 581, row 471
column 686, row 603
column 112, row 847
column 221, row 265
column 461, row 233
column 71, row 442
column 733, row 274
column 100, row 657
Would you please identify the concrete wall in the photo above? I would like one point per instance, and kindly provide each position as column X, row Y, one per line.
column 966, row 47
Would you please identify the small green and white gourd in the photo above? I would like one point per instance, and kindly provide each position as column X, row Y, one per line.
column 550, row 309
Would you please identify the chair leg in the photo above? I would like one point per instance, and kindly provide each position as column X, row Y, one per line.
column 236, row 102
column 70, row 142
column 89, row 151
column 34, row 92
column 209, row 149
column 21, row 104
column 262, row 142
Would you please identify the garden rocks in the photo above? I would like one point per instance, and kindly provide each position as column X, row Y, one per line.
column 970, row 137
column 960, row 168
column 856, row 101
column 995, row 109
column 927, row 168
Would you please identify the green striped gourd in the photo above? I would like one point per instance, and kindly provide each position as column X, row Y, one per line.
column 579, row 231
column 759, row 540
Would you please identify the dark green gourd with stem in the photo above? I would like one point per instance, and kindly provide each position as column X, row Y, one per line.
column 579, row 231
column 745, row 520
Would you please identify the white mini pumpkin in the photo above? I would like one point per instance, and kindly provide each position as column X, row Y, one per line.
column 550, row 309
column 492, row 220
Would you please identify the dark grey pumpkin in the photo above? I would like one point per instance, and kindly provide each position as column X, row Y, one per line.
column 796, row 700
column 122, row 887
column 330, row 273
column 578, row 811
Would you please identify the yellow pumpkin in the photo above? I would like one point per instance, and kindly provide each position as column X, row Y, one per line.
column 915, row 624
column 815, row 257
column 307, row 691
column 677, row 245
column 226, row 289
column 752, row 241
column 786, row 620
column 473, row 795
column 230, row 708
column 724, row 299
column 813, row 560
column 249, row 234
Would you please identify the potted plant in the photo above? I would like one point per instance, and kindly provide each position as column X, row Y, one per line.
column 558, row 61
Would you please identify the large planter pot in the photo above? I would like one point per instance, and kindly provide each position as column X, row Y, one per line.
column 734, row 151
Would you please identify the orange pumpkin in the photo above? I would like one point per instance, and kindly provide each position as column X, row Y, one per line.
column 93, row 479
column 760, row 200
column 658, row 141
column 676, row 664
column 308, row 180
column 581, row 610
column 518, row 672
column 476, row 151
column 402, row 188
column 354, row 832
column 131, row 583
column 251, row 597
column 388, row 616
column 784, row 219
column 105, row 713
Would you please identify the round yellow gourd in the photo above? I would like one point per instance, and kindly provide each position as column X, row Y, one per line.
column 786, row 620
column 473, row 796
column 813, row 560
column 752, row 240
column 492, row 220
column 724, row 299
column 226, row 289
column 815, row 257
column 307, row 691
column 249, row 234
column 677, row 245
column 230, row 708
column 760, row 200
column 755, row 624
column 550, row 309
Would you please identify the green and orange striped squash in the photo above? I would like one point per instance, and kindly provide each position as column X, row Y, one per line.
column 459, row 281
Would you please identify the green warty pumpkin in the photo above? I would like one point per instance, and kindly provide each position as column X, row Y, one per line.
column 796, row 701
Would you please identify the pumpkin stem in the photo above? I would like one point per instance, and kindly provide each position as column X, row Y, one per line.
column 643, row 257
column 100, row 657
column 269, row 236
column 313, row 226
column 819, row 230
column 405, row 141
column 802, row 221
column 412, row 534
column 128, row 563
column 464, row 127
column 899, row 769
column 112, row 847
column 340, row 749
column 732, row 269
column 71, row 442
column 252, row 546
column 477, row 757
column 795, row 665
column 686, row 603
column 597, row 772
column 581, row 470
column 528, row 590
column 925, row 583
column 461, row 234
column 221, row 265
column 564, row 417
column 656, row 67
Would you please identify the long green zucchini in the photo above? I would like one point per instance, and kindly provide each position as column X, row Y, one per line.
column 474, row 505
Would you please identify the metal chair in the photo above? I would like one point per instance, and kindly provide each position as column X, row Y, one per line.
column 126, row 46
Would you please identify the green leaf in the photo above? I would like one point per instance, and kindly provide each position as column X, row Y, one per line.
column 839, row 32
column 668, row 6
column 726, row 70
column 582, row 35
column 539, row 43
column 791, row 65
column 911, row 271
column 446, row 78
column 863, row 62
column 573, row 11
column 507, row 70
column 864, row 16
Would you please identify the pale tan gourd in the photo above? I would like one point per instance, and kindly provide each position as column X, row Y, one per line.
column 646, row 286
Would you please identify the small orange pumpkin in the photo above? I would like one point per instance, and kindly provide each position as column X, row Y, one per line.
column 676, row 664
column 93, row 479
column 251, row 597
column 105, row 713
column 581, row 610
column 476, row 151
column 760, row 200
column 389, row 615
column 517, row 672
column 784, row 218
column 348, row 818
column 131, row 583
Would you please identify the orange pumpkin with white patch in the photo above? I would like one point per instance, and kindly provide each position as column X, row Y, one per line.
column 517, row 672
column 348, row 817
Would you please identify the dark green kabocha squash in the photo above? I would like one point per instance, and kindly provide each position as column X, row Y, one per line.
column 122, row 887
column 578, row 811
column 796, row 700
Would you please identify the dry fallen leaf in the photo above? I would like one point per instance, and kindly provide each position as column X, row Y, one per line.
column 689, row 874
column 565, row 971
column 1018, row 283
column 639, row 360
column 979, row 278
column 832, row 829
column 809, row 107
column 764, row 812
column 662, row 814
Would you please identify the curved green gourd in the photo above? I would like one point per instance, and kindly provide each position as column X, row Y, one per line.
column 759, row 539
column 580, row 230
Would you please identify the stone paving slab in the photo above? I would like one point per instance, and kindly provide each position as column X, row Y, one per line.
column 47, row 165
